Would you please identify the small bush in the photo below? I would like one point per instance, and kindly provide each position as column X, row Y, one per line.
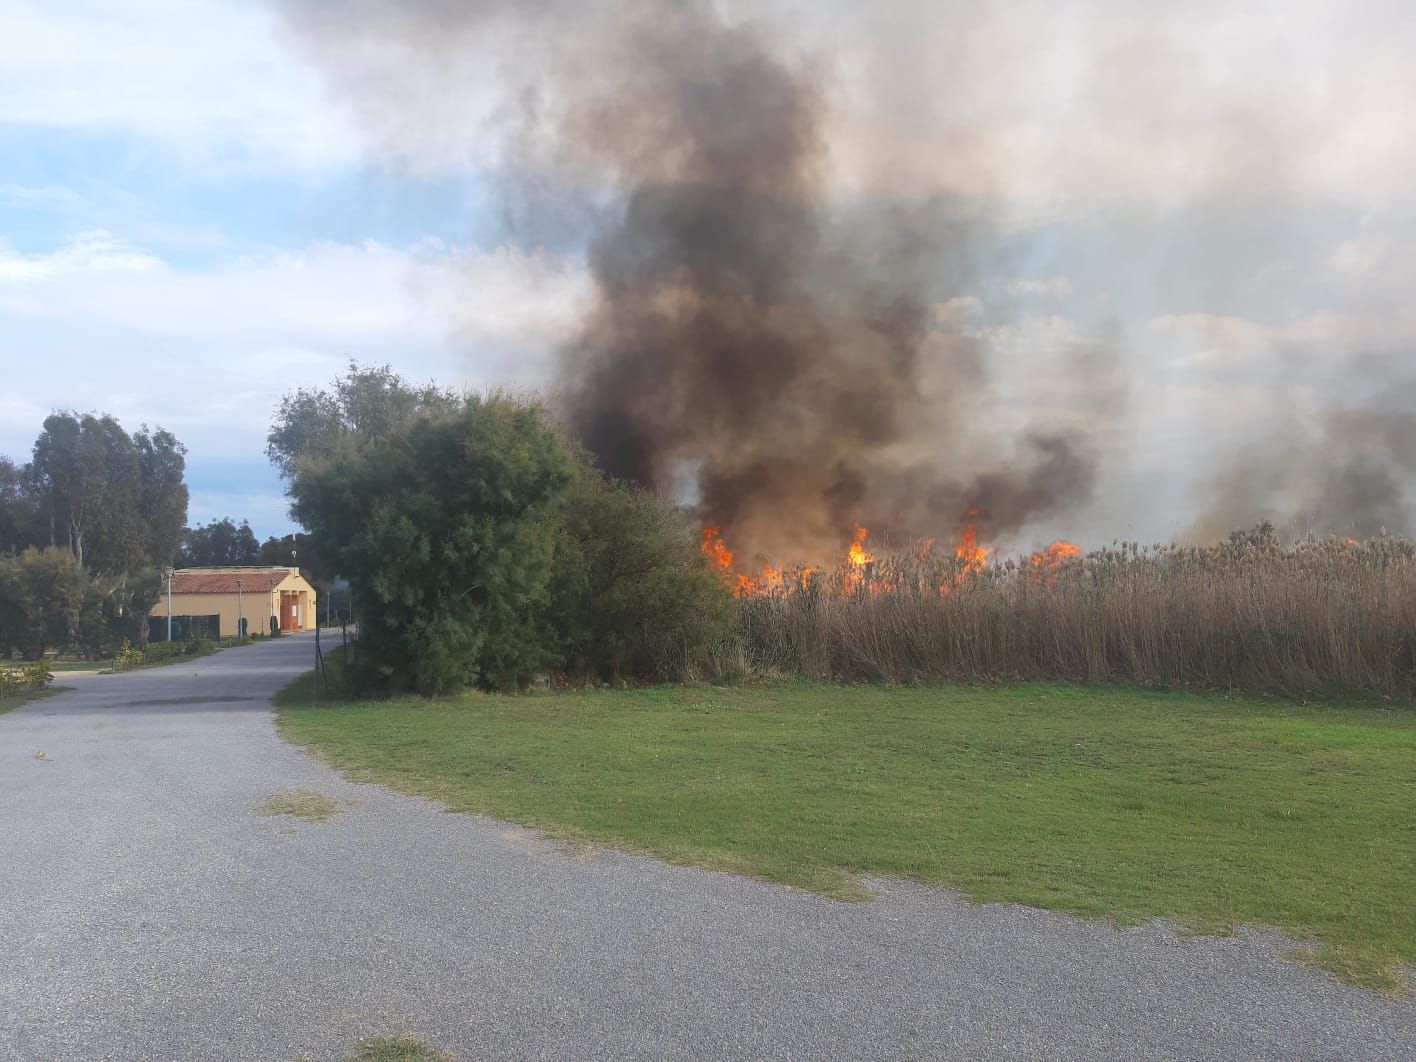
column 128, row 657
column 157, row 652
column 29, row 678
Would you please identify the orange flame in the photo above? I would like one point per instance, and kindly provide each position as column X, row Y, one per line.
column 972, row 556
column 860, row 572
column 856, row 554
column 1055, row 555
column 858, row 558
column 770, row 581
column 716, row 549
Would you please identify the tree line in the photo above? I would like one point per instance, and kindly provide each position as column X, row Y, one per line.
column 224, row 543
column 85, row 525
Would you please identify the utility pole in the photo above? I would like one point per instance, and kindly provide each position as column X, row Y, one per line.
column 169, row 604
column 240, row 614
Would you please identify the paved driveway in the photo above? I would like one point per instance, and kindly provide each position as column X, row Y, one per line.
column 148, row 911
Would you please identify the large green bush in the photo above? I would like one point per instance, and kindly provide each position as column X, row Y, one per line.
column 481, row 548
column 446, row 530
column 632, row 596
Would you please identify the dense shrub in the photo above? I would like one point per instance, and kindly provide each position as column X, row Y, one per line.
column 42, row 594
column 446, row 531
column 632, row 596
column 482, row 549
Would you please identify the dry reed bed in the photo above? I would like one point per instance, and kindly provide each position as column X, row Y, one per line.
column 1318, row 618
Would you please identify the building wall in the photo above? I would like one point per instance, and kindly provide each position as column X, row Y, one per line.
column 302, row 595
column 257, row 608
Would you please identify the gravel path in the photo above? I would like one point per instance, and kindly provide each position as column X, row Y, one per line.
column 149, row 911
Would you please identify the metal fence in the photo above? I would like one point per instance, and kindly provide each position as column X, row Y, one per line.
column 185, row 628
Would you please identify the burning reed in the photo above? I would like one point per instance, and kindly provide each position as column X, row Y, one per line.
column 1321, row 617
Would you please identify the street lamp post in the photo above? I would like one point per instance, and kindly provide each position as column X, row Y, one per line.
column 240, row 615
column 169, row 604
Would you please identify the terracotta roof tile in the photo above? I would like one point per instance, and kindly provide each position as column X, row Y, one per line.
column 223, row 580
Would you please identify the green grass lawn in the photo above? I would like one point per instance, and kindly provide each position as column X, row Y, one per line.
column 1103, row 802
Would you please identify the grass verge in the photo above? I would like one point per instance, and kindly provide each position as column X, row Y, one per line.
column 12, row 702
column 188, row 654
column 301, row 804
column 404, row 1048
column 1102, row 802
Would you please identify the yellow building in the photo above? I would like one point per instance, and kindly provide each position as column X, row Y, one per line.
column 207, row 598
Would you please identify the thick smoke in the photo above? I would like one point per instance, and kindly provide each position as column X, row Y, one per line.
column 789, row 367
column 1351, row 473
column 795, row 354
column 742, row 339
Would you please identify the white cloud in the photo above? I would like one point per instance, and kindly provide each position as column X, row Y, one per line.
column 1203, row 339
column 49, row 197
column 212, row 82
column 207, row 352
column 85, row 253
column 1327, row 338
column 956, row 313
column 1050, row 287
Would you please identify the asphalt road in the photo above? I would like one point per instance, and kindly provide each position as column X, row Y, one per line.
column 149, row 911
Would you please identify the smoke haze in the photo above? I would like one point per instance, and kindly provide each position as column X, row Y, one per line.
column 794, row 226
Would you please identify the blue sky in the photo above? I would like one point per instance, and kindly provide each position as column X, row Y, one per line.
column 188, row 228
column 194, row 220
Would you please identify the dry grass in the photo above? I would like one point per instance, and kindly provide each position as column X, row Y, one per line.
column 1319, row 618
column 301, row 804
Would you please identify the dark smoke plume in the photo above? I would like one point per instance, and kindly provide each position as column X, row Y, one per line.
column 796, row 354
column 742, row 339
column 785, row 366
